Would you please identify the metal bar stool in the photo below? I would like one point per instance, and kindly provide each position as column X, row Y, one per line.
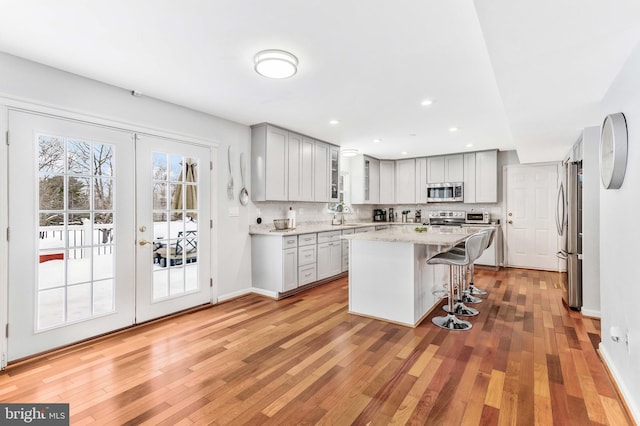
column 470, row 292
column 472, row 289
column 457, row 263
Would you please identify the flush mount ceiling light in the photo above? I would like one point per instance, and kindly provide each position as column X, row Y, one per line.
column 426, row 102
column 334, row 122
column 275, row 63
column 377, row 140
column 453, row 129
column 349, row 152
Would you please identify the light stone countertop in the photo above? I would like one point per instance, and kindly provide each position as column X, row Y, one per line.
column 406, row 234
column 311, row 227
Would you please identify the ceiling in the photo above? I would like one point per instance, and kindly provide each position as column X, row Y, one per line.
column 508, row 74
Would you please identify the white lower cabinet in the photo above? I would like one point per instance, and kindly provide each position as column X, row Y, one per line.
column 306, row 274
column 274, row 263
column 290, row 269
column 329, row 259
column 281, row 264
column 307, row 264
column 345, row 250
column 329, row 254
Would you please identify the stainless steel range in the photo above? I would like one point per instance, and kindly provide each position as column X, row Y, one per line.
column 447, row 217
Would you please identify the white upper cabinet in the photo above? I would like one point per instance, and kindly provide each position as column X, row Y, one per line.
column 421, row 180
column 487, row 176
column 387, row 182
column 469, row 188
column 481, row 177
column 334, row 174
column 306, row 172
column 374, row 180
column 445, row 168
column 269, row 163
column 405, row 181
column 321, row 176
column 365, row 179
column 286, row 166
column 294, row 149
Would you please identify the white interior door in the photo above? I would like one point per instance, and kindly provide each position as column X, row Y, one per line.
column 532, row 240
column 173, row 220
column 71, row 221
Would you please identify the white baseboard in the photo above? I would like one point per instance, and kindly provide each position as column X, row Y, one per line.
column 235, row 294
column 271, row 294
column 591, row 313
column 246, row 291
column 617, row 377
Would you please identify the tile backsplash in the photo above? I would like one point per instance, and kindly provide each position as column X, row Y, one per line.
column 318, row 212
column 306, row 212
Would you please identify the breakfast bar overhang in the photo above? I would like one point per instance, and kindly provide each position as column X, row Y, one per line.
column 389, row 278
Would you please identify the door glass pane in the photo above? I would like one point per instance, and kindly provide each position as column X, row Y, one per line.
column 175, row 230
column 76, row 223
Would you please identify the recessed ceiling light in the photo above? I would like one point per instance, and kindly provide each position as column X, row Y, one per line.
column 404, row 153
column 469, row 145
column 377, row 140
column 412, row 134
column 334, row 122
column 275, row 63
column 453, row 129
column 426, row 102
column 349, row 152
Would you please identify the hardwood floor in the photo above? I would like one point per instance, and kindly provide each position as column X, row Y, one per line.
column 305, row 360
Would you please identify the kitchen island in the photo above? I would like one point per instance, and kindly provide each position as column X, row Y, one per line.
column 389, row 278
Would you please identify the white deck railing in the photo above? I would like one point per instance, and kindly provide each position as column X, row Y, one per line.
column 51, row 238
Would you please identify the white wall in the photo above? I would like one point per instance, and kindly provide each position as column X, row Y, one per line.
column 31, row 82
column 591, row 222
column 619, row 239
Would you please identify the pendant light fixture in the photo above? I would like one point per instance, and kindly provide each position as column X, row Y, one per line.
column 275, row 63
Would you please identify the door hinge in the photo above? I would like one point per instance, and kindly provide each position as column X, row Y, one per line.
column 6, row 331
column 7, row 234
column 7, row 137
column 210, row 165
column 211, row 224
column 210, row 282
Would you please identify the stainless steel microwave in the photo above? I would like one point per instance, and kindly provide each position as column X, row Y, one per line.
column 446, row 192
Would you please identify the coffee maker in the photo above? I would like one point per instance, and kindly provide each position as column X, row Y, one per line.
column 418, row 216
column 379, row 215
column 391, row 218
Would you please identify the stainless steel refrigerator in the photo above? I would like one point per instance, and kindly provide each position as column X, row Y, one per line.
column 569, row 222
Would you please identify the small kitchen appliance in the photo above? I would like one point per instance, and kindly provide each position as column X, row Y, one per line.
column 444, row 192
column 379, row 215
column 391, row 218
column 478, row 217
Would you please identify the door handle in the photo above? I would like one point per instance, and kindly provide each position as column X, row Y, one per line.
column 510, row 222
column 144, row 242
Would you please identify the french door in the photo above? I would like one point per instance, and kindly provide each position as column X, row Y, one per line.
column 173, row 226
column 79, row 195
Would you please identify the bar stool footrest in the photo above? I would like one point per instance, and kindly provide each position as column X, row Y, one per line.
column 450, row 322
column 462, row 310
